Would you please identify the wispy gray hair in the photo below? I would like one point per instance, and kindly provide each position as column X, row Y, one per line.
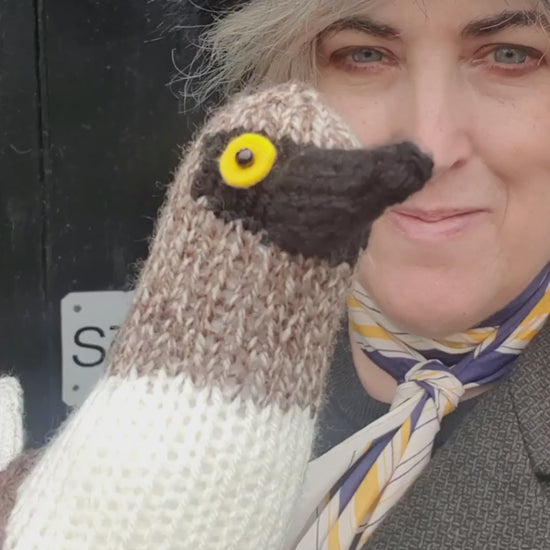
column 265, row 42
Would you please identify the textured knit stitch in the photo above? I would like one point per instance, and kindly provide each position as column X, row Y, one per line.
column 199, row 434
column 199, row 473
column 10, row 480
column 11, row 419
column 275, row 206
column 197, row 307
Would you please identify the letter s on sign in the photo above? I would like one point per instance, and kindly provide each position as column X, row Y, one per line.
column 82, row 344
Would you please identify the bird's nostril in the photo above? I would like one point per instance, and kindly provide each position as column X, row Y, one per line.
column 244, row 157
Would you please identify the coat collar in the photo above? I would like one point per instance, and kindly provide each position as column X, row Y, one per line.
column 529, row 386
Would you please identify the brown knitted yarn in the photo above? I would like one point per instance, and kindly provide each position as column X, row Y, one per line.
column 216, row 305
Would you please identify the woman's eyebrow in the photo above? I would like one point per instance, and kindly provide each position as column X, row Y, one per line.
column 484, row 26
column 365, row 25
column 504, row 20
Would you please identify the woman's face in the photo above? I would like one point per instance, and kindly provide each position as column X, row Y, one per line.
column 468, row 81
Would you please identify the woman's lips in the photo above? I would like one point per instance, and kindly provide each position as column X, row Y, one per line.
column 434, row 225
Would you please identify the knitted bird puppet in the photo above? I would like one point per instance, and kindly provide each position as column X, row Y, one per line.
column 199, row 433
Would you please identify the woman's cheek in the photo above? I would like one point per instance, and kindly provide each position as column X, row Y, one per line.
column 367, row 115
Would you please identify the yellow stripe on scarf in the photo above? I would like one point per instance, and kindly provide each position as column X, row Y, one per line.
column 371, row 331
column 537, row 317
column 368, row 493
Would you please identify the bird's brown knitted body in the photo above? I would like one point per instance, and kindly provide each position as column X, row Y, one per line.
column 200, row 431
column 219, row 307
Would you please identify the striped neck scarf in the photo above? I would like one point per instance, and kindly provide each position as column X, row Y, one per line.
column 432, row 377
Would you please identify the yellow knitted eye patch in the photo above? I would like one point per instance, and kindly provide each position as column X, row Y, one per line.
column 247, row 160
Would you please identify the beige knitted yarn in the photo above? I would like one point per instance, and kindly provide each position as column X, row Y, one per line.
column 199, row 434
column 11, row 419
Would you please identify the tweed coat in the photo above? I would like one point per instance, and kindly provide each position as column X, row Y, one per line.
column 488, row 487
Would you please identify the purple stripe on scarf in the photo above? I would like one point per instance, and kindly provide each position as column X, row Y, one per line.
column 396, row 366
column 417, row 411
column 357, row 473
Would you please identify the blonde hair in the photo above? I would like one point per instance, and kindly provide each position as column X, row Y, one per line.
column 264, row 42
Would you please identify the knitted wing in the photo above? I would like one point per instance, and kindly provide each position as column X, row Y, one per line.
column 200, row 431
column 11, row 419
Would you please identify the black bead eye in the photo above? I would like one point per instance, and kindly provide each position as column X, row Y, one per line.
column 244, row 157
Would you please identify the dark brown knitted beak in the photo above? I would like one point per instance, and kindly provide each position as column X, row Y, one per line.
column 318, row 202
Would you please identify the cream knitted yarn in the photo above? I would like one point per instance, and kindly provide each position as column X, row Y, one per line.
column 11, row 419
column 199, row 433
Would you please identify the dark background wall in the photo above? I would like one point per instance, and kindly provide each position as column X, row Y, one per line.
column 90, row 134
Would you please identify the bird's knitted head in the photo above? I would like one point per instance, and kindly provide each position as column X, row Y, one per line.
column 287, row 167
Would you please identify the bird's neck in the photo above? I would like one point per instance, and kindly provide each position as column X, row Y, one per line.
column 215, row 304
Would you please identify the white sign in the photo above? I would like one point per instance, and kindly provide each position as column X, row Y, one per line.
column 89, row 321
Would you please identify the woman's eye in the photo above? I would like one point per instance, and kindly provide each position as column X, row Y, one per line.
column 511, row 56
column 366, row 55
column 512, row 60
column 363, row 60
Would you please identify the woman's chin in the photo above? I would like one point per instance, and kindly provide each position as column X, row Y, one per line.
column 426, row 302
column 428, row 319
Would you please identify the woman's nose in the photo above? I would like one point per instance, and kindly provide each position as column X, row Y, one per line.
column 439, row 121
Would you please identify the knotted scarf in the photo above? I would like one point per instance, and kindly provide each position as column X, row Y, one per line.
column 432, row 376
